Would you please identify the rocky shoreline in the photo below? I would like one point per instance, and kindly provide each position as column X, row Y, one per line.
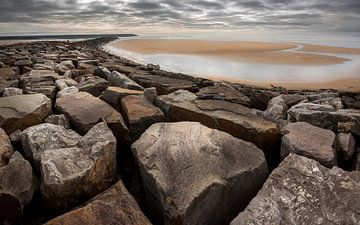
column 87, row 137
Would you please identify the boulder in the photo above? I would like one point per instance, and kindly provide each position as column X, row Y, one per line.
column 351, row 102
column 103, row 72
column 120, row 80
column 6, row 150
column 335, row 102
column 113, row 95
column 11, row 91
column 67, row 91
column 8, row 74
column 150, row 94
column 140, row 114
column 23, row 111
column 61, row 84
column 164, row 85
column 349, row 127
column 60, row 120
column 310, row 141
column 61, row 69
column 301, row 191
column 24, row 62
column 113, row 206
column 164, row 102
column 346, row 145
column 191, row 173
column 17, row 186
column 93, row 85
column 277, row 107
column 85, row 110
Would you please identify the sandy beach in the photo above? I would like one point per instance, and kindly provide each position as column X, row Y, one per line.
column 244, row 51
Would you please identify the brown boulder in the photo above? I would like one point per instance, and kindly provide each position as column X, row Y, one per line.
column 6, row 150
column 113, row 95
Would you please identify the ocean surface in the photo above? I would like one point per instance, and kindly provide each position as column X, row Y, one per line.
column 203, row 66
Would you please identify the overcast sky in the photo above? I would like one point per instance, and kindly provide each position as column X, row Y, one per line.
column 178, row 15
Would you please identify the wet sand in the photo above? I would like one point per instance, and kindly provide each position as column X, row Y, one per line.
column 241, row 51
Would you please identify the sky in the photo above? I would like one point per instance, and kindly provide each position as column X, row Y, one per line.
column 157, row 16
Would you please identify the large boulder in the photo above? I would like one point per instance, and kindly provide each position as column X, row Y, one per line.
column 113, row 206
column 92, row 84
column 196, row 175
column 277, row 107
column 61, row 120
column 84, row 111
column 140, row 114
column 113, row 95
column 11, row 91
column 8, row 74
column 120, row 80
column 23, row 111
column 301, row 191
column 310, row 141
column 6, row 149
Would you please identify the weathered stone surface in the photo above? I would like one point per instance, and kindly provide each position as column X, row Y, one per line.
column 226, row 93
column 310, row 141
column 113, row 95
column 17, row 185
column 335, row 102
column 60, row 120
column 120, row 80
column 140, row 114
column 8, row 74
column 190, row 171
column 61, row 69
column 351, row 102
column 301, row 191
column 277, row 107
column 103, row 72
column 164, row 102
column 113, row 206
column 349, row 127
column 67, row 91
column 150, row 94
column 85, row 110
column 93, row 85
column 6, row 150
column 71, row 174
column 23, row 111
column 60, row 84
column 346, row 145
column 23, row 63
column 164, row 85
column 11, row 91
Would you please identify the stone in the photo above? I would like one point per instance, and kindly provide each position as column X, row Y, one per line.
column 277, row 107
column 349, row 127
column 103, row 72
column 113, row 206
column 164, row 102
column 113, row 95
column 346, row 145
column 60, row 84
column 310, row 141
column 226, row 93
column 293, row 99
column 6, row 84
column 8, row 74
column 93, row 85
column 140, row 114
column 192, row 174
column 71, row 174
column 67, row 91
column 60, row 120
column 164, row 85
column 17, row 186
column 85, row 110
column 93, row 62
column 335, row 102
column 120, row 80
column 301, row 191
column 11, row 91
column 23, row 111
column 150, row 94
column 22, row 63
column 6, row 150
column 61, row 69
column 323, row 95
column 15, row 136
column 69, row 64
column 351, row 102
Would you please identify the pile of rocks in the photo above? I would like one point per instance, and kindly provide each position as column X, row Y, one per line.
column 91, row 138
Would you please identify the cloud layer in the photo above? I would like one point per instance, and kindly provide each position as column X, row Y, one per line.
column 309, row 15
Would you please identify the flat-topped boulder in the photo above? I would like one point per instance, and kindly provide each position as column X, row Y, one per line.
column 120, row 80
column 192, row 174
column 140, row 114
column 164, row 85
column 113, row 206
column 310, row 141
column 302, row 191
column 113, row 95
column 84, row 111
column 92, row 84
column 23, row 111
column 6, row 149
column 8, row 74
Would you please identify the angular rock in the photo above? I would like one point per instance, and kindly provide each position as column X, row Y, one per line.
column 113, row 95
column 335, row 102
column 60, row 120
column 277, row 107
column 164, row 102
column 11, row 91
column 6, row 150
column 67, row 91
column 85, row 110
column 346, row 145
column 103, row 72
column 120, row 80
column 351, row 102
column 113, row 206
column 310, row 141
column 150, row 94
column 8, row 74
column 301, row 191
column 349, row 127
column 93, row 85
column 164, row 85
column 60, row 84
column 140, row 114
column 22, row 63
column 61, row 69
column 23, row 111
column 192, row 174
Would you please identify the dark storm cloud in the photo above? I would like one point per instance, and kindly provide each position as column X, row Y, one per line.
column 200, row 14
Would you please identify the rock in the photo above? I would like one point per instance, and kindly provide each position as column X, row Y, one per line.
column 60, row 84
column 103, row 72
column 351, row 102
column 61, row 69
column 72, row 174
column 67, row 91
column 310, row 141
column 190, row 171
column 113, row 206
column 357, row 161
column 164, row 85
column 8, row 74
column 11, row 91
column 85, row 110
column 150, row 94
column 335, row 102
column 69, row 64
column 349, row 127
column 60, row 120
column 6, row 150
column 293, row 99
column 120, row 80
column 226, row 93
column 346, row 145
column 17, row 186
column 93, row 85
column 277, row 107
column 164, row 102
column 94, row 62
column 301, row 191
column 15, row 136
column 113, row 95
column 23, row 111
column 140, row 114
column 22, row 63
column 323, row 95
